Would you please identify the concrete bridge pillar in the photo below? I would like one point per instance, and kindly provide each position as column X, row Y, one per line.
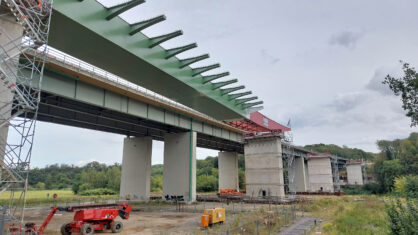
column 9, row 29
column 228, row 170
column 300, row 184
column 179, row 174
column 136, row 168
column 320, row 174
column 264, row 167
column 354, row 174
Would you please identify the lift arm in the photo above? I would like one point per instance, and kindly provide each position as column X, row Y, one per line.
column 48, row 219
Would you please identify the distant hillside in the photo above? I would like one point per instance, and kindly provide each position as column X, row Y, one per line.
column 345, row 152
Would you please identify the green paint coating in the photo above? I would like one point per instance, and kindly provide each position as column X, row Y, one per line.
column 81, row 30
column 190, row 159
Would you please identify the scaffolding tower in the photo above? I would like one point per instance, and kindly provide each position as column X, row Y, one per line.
column 335, row 173
column 289, row 159
column 24, row 33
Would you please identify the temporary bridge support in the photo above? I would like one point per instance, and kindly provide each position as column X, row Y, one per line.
column 228, row 170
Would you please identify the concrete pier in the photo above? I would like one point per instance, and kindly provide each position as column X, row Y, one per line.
column 179, row 174
column 9, row 29
column 300, row 177
column 136, row 169
column 354, row 174
column 264, row 167
column 320, row 174
column 228, row 170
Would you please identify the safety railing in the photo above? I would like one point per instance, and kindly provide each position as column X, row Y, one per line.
column 80, row 65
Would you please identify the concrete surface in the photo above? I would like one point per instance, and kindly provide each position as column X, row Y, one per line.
column 178, row 149
column 136, row 168
column 320, row 174
column 301, row 226
column 354, row 174
column 228, row 170
column 264, row 167
column 300, row 178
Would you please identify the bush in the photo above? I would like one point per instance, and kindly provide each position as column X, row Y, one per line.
column 372, row 188
column 411, row 186
column 400, row 185
column 97, row 191
column 207, row 183
column 40, row 185
column 403, row 218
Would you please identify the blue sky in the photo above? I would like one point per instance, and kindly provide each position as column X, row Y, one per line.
column 319, row 63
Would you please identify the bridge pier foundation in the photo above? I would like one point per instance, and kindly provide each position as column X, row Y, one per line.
column 136, row 168
column 179, row 174
column 9, row 30
column 228, row 170
column 264, row 167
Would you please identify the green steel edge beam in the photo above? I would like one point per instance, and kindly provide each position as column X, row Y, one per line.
column 81, row 29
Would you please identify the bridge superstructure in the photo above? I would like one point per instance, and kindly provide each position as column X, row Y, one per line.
column 126, row 83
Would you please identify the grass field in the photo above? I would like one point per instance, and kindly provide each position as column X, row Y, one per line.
column 39, row 197
column 351, row 215
column 42, row 194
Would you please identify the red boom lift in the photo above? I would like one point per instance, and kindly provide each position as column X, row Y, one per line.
column 87, row 219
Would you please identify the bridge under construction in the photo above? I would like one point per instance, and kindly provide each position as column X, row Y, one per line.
column 77, row 63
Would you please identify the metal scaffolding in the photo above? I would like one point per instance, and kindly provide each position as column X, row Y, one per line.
column 289, row 162
column 22, row 58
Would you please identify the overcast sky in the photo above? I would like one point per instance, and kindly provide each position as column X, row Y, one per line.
column 319, row 63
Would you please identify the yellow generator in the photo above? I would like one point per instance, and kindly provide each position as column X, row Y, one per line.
column 212, row 216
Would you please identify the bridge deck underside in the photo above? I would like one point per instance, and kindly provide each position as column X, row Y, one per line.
column 60, row 110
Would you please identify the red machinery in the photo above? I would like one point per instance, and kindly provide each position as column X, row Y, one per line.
column 87, row 219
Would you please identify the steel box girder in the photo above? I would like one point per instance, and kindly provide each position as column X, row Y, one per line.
column 80, row 28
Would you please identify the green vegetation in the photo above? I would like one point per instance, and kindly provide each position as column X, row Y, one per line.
column 99, row 178
column 403, row 217
column 351, row 215
column 397, row 161
column 345, row 152
column 407, row 87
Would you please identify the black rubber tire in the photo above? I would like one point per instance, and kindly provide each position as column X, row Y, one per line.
column 65, row 229
column 87, row 229
column 116, row 226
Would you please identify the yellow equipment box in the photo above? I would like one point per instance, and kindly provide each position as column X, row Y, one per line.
column 212, row 216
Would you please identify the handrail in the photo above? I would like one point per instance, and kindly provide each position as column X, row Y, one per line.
column 86, row 67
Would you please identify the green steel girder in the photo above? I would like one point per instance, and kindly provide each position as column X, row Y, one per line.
column 222, row 84
column 175, row 51
column 248, row 105
column 121, row 8
column 139, row 26
column 155, row 41
column 209, row 78
column 244, row 100
column 235, row 96
column 93, row 33
column 190, row 61
column 200, row 70
column 230, row 90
